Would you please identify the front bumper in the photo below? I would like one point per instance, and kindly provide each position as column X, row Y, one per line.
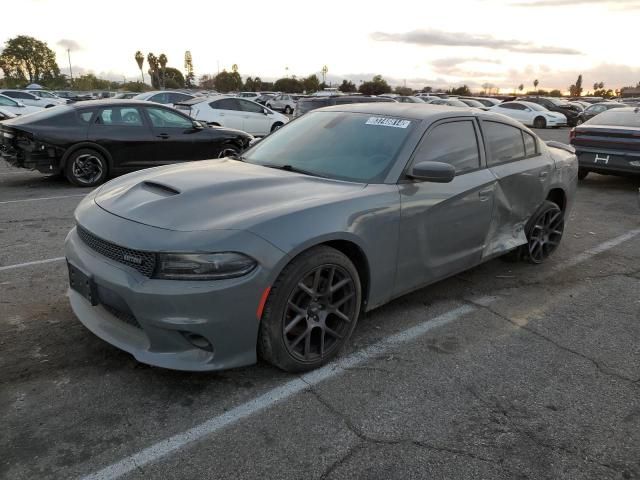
column 556, row 122
column 154, row 319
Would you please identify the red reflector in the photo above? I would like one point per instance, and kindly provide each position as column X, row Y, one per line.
column 572, row 134
column 263, row 300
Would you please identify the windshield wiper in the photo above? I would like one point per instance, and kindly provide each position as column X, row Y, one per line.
column 291, row 168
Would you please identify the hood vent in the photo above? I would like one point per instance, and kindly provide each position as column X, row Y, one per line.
column 160, row 188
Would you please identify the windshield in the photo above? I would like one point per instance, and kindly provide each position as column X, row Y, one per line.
column 616, row 118
column 472, row 103
column 558, row 103
column 349, row 146
column 536, row 107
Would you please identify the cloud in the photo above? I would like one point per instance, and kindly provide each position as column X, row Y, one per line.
column 69, row 44
column 623, row 4
column 455, row 61
column 430, row 38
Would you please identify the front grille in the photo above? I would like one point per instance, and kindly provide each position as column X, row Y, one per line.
column 125, row 317
column 144, row 262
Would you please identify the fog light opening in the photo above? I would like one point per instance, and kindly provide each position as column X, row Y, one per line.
column 198, row 341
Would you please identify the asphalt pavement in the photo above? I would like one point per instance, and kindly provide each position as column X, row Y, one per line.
column 507, row 371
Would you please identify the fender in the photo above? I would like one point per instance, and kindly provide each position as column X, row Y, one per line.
column 77, row 146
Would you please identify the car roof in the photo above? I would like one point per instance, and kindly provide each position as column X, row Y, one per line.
column 114, row 102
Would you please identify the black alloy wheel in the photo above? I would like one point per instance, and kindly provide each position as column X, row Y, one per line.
column 544, row 232
column 539, row 122
column 86, row 168
column 311, row 311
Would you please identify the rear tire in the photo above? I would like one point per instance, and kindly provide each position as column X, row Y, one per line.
column 86, row 167
column 582, row 173
column 539, row 122
column 311, row 311
column 288, row 110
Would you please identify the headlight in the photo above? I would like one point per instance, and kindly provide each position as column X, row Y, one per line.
column 203, row 266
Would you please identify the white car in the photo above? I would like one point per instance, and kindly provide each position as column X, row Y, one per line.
column 233, row 112
column 6, row 114
column 283, row 103
column 531, row 114
column 48, row 96
column 165, row 97
column 32, row 100
column 249, row 95
column 16, row 107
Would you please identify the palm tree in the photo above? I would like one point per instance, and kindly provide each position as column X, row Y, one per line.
column 152, row 60
column 595, row 86
column 162, row 60
column 140, row 61
column 535, row 84
column 521, row 87
column 601, row 85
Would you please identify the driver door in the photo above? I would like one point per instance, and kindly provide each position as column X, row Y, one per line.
column 444, row 226
column 175, row 137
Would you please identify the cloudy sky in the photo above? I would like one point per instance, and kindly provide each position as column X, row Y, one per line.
column 503, row 42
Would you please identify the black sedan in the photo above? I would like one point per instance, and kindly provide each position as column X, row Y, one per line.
column 597, row 108
column 556, row 105
column 89, row 141
column 609, row 143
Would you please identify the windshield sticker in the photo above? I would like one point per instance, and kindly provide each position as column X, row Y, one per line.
column 388, row 122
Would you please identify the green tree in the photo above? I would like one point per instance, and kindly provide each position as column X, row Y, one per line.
column 427, row 90
column 28, row 60
column 173, row 78
column 463, row 90
column 139, row 56
column 376, row 86
column 154, row 72
column 404, row 91
column 248, row 85
column 311, row 84
column 347, row 86
column 257, row 84
column 135, row 87
column 228, row 81
column 555, row 93
column 520, row 88
column 289, row 85
column 190, row 78
column 535, row 84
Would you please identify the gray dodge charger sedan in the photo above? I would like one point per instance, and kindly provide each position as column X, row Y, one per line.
column 205, row 265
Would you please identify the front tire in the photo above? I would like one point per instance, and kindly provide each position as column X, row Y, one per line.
column 86, row 168
column 311, row 311
column 229, row 151
column 276, row 126
column 288, row 110
column 539, row 122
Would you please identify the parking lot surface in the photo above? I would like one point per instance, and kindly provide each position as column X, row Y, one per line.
column 507, row 371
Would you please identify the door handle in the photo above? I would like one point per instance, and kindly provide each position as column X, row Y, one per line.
column 543, row 175
column 485, row 194
column 163, row 135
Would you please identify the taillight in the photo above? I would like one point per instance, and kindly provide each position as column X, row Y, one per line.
column 572, row 134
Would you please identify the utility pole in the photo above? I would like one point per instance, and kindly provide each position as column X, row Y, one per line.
column 70, row 71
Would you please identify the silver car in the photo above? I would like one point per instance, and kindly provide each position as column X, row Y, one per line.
column 203, row 266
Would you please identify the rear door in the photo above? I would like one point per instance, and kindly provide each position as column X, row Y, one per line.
column 175, row 136
column 229, row 112
column 444, row 226
column 523, row 174
column 254, row 120
column 126, row 135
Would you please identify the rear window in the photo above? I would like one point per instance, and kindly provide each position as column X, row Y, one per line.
column 306, row 105
column 505, row 142
column 43, row 116
column 616, row 118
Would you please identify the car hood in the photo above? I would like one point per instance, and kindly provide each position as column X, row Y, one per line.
column 216, row 194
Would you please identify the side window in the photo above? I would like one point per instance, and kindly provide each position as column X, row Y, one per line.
column 163, row 118
column 120, row 116
column 159, row 98
column 7, row 102
column 226, row 104
column 85, row 115
column 454, row 143
column 178, row 97
column 530, row 144
column 11, row 94
column 250, row 107
column 509, row 106
column 505, row 142
column 518, row 106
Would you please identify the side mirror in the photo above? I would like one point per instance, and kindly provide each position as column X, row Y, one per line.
column 265, row 111
column 527, row 109
column 197, row 125
column 436, row 172
column 21, row 105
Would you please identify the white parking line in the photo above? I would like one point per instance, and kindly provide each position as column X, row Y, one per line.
column 42, row 198
column 28, row 264
column 176, row 442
